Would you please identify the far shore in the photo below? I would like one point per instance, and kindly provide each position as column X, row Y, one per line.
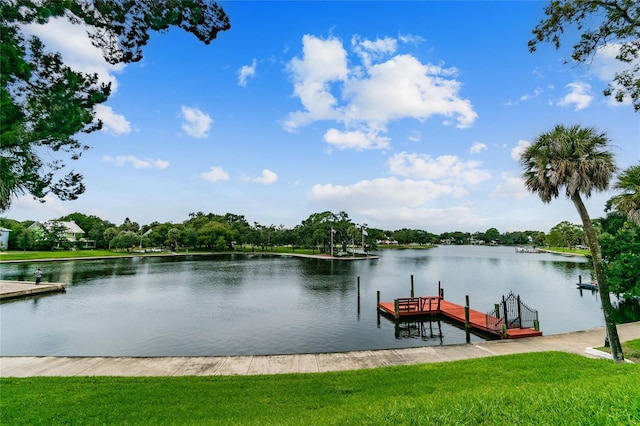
column 563, row 253
column 186, row 253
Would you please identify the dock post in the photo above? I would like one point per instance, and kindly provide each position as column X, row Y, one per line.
column 504, row 306
column 536, row 325
column 466, row 320
column 412, row 293
column 579, row 279
column 396, row 308
column 378, row 298
column 358, row 294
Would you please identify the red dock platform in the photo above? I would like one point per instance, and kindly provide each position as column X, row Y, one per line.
column 435, row 305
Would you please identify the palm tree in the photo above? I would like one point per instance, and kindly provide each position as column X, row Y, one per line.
column 575, row 159
column 628, row 202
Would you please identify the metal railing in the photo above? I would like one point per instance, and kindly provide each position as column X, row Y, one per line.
column 511, row 312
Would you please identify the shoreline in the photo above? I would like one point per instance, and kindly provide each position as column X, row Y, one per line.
column 173, row 254
column 577, row 342
column 563, row 253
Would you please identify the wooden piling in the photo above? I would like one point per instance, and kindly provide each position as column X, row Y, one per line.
column 412, row 292
column 467, row 326
column 358, row 294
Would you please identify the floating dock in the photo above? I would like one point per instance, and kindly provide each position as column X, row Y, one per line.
column 409, row 307
column 18, row 289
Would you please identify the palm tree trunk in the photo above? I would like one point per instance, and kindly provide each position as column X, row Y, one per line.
column 603, row 286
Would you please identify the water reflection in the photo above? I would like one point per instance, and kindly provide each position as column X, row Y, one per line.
column 423, row 330
column 243, row 304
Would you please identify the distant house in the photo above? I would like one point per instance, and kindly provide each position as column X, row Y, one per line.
column 4, row 238
column 72, row 232
column 474, row 241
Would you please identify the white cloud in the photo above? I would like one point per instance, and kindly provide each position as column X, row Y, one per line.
column 27, row 206
column 357, row 140
column 517, row 150
column 73, row 43
column 323, row 61
column 447, row 168
column 137, row 163
column 113, row 122
column 215, row 174
column 395, row 203
column 365, row 98
column 382, row 191
column 536, row 92
column 370, row 50
column 196, row 123
column 477, row 147
column 605, row 66
column 414, row 136
column 580, row 96
column 510, row 187
column 268, row 177
column 245, row 72
column 433, row 219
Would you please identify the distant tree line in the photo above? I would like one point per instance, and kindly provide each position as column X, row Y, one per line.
column 230, row 231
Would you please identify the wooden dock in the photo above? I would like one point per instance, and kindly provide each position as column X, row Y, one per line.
column 409, row 307
column 18, row 289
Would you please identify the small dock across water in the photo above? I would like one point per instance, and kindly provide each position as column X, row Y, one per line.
column 503, row 322
column 18, row 289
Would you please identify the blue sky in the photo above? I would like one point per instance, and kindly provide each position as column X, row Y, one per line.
column 402, row 114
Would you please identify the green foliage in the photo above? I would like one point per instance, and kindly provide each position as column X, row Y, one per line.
column 125, row 240
column 577, row 161
column 614, row 23
column 44, row 103
column 621, row 253
column 627, row 202
column 524, row 389
column 620, row 238
column 565, row 234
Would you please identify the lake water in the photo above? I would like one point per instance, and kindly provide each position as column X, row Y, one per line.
column 235, row 304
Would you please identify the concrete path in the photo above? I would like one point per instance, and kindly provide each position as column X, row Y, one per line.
column 18, row 289
column 579, row 342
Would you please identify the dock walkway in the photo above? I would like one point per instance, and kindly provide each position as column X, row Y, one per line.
column 434, row 305
column 18, row 289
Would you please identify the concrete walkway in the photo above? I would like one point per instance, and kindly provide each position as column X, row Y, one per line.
column 18, row 289
column 579, row 342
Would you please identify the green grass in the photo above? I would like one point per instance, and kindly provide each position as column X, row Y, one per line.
column 62, row 254
column 630, row 349
column 14, row 255
column 405, row 246
column 582, row 252
column 525, row 389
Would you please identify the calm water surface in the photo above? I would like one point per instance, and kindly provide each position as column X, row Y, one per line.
column 259, row 304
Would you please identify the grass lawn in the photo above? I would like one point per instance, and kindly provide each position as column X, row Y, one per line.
column 14, row 255
column 526, row 389
column 61, row 254
column 566, row 250
column 630, row 349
